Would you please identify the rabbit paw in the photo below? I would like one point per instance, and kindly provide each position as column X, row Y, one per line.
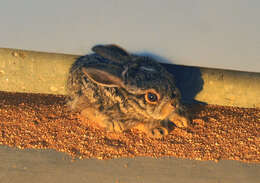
column 158, row 132
column 179, row 121
column 182, row 123
column 115, row 126
column 101, row 121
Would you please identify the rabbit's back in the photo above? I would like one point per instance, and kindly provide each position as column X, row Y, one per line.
column 83, row 92
column 80, row 89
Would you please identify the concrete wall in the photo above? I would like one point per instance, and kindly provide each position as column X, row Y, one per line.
column 38, row 72
column 217, row 34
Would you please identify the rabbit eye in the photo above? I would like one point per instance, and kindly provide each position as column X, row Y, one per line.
column 152, row 97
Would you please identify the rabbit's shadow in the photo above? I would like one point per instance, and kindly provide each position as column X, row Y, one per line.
column 188, row 79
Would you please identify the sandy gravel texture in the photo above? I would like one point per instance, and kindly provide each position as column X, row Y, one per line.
column 44, row 122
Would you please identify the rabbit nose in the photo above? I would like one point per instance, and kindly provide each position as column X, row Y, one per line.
column 175, row 103
column 166, row 110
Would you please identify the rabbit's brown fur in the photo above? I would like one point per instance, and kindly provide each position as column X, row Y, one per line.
column 119, row 91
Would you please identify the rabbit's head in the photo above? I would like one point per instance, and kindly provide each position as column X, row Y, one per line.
column 133, row 89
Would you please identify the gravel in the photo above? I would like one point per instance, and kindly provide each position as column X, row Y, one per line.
column 44, row 122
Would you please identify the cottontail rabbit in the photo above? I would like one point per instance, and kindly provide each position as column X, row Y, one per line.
column 119, row 91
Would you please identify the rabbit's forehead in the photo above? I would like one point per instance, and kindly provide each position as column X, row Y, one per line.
column 153, row 80
column 145, row 73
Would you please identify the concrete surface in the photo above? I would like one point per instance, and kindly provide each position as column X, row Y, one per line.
column 43, row 166
column 37, row 72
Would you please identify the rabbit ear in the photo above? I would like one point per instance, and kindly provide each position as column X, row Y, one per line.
column 112, row 52
column 104, row 76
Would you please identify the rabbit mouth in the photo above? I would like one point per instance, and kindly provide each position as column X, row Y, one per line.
column 170, row 112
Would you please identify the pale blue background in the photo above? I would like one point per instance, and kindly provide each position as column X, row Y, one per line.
column 219, row 34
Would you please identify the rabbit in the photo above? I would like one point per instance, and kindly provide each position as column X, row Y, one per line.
column 119, row 91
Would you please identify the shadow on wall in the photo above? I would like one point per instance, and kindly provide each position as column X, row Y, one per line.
column 188, row 79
